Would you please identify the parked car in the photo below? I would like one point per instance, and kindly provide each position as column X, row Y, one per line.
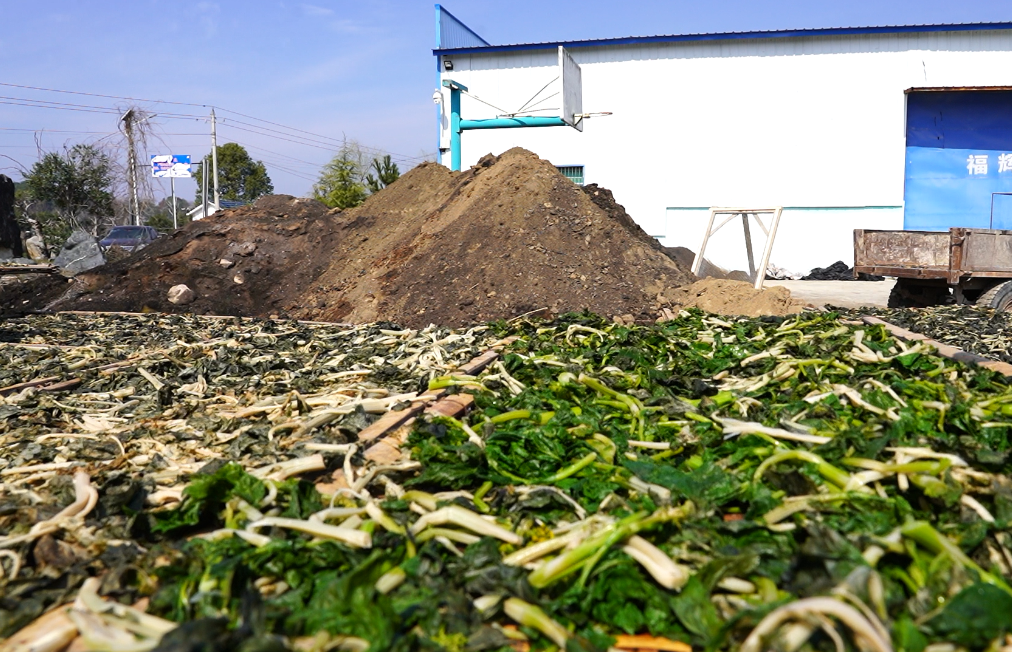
column 129, row 238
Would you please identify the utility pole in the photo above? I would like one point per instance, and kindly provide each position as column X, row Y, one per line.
column 128, row 127
column 172, row 185
column 214, row 158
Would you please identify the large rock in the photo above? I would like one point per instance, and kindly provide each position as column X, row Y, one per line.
column 35, row 249
column 181, row 294
column 80, row 253
column 10, row 232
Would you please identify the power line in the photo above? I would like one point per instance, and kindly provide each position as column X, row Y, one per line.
column 43, row 106
column 277, row 165
column 315, row 165
column 104, row 109
column 405, row 158
column 260, row 133
column 57, row 131
column 375, row 149
column 401, row 157
column 295, row 173
column 113, row 97
column 297, row 142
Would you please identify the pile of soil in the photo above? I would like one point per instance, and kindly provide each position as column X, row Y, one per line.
column 509, row 236
column 727, row 297
column 686, row 257
column 248, row 261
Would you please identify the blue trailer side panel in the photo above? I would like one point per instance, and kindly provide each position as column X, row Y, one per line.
column 958, row 160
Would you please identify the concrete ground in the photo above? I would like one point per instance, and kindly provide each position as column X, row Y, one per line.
column 846, row 294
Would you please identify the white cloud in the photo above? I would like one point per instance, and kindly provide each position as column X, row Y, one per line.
column 315, row 11
column 330, row 19
column 345, row 26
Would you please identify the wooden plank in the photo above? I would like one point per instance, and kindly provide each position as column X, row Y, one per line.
column 454, row 405
column 944, row 350
column 111, row 313
column 985, row 251
column 903, row 272
column 13, row 389
column 388, row 422
column 392, row 420
column 903, row 249
column 859, row 253
column 388, row 449
column 62, row 386
column 774, row 225
column 7, row 270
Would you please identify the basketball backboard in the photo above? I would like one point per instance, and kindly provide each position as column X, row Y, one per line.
column 572, row 90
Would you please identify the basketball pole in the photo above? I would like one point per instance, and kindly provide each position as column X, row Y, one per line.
column 458, row 126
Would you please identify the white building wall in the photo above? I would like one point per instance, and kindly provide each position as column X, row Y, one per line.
column 805, row 123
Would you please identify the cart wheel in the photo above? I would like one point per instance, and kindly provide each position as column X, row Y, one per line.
column 917, row 295
column 998, row 296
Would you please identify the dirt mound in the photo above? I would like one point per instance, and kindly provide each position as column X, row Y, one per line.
column 727, row 297
column 509, row 236
column 249, row 261
column 686, row 257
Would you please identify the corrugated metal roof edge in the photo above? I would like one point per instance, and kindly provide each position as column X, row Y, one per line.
column 728, row 36
column 440, row 8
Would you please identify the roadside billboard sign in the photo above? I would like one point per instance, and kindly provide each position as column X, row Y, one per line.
column 170, row 165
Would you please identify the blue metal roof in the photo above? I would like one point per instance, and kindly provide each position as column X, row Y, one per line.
column 727, row 36
column 453, row 34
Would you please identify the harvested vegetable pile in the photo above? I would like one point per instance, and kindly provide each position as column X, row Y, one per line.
column 975, row 329
column 727, row 483
column 510, row 236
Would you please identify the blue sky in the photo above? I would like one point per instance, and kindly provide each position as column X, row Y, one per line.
column 361, row 70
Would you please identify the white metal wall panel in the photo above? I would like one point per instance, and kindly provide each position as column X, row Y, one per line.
column 812, row 122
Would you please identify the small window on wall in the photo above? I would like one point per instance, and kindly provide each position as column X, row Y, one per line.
column 572, row 172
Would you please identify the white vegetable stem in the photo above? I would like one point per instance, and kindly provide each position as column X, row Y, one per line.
column 281, row 471
column 863, row 629
column 357, row 538
column 732, row 427
column 538, row 550
column 390, row 580
column 456, row 515
column 85, row 499
column 252, row 538
column 528, row 615
column 668, row 574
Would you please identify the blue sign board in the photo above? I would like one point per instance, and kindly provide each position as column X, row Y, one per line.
column 170, row 165
column 958, row 160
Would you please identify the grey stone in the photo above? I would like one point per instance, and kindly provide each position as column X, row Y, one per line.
column 80, row 253
column 241, row 249
column 181, row 294
column 10, row 232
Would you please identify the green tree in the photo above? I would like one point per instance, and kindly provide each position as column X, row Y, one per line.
column 342, row 181
column 386, row 173
column 76, row 184
column 159, row 215
column 240, row 178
